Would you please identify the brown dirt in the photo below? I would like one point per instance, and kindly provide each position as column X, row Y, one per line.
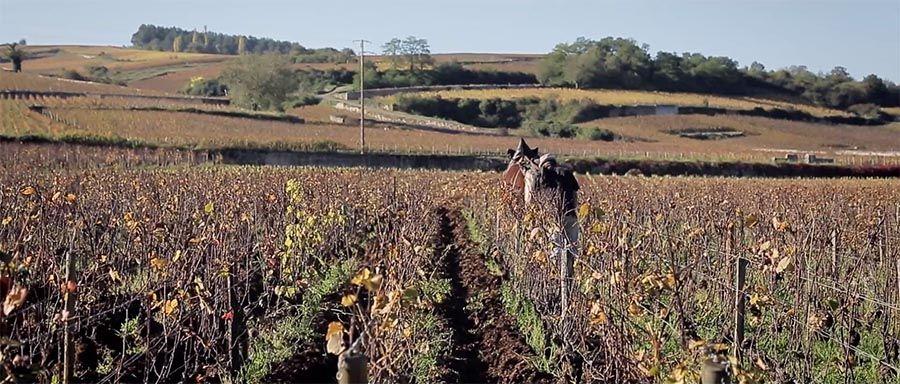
column 487, row 346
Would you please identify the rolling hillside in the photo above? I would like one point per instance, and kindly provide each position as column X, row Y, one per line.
column 164, row 74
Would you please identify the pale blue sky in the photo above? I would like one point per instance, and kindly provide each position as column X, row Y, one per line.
column 862, row 35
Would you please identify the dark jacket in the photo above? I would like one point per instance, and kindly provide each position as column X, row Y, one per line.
column 561, row 178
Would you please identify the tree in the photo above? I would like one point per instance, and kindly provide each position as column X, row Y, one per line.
column 260, row 81
column 757, row 70
column 15, row 55
column 393, row 49
column 623, row 63
column 838, row 75
column 176, row 44
column 163, row 38
column 195, row 45
column 668, row 71
column 242, row 45
column 876, row 90
column 417, row 51
column 610, row 62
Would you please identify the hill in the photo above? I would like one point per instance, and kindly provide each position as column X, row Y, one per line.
column 163, row 74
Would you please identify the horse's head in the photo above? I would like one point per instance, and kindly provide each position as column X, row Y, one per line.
column 525, row 156
column 521, row 160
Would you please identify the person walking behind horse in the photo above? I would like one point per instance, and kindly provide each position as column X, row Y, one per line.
column 535, row 174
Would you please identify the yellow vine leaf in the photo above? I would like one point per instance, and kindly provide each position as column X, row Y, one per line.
column 784, row 265
column 348, row 300
column 583, row 211
column 750, row 220
column 114, row 275
column 158, row 263
column 635, row 310
column 598, row 316
column 365, row 278
column 170, row 306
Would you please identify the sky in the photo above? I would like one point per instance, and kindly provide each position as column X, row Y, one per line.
column 861, row 35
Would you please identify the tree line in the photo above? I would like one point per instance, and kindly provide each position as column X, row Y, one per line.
column 174, row 39
column 452, row 73
column 623, row 63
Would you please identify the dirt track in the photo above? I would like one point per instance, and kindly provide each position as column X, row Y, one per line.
column 487, row 346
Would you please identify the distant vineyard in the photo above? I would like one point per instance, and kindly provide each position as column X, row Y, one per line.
column 25, row 81
column 624, row 97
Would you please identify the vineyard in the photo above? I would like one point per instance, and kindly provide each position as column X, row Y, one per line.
column 153, row 268
column 51, row 59
column 186, row 124
column 625, row 97
column 95, row 113
column 28, row 81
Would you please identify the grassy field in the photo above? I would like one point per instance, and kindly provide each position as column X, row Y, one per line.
column 624, row 97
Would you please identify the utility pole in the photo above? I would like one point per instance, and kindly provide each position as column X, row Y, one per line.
column 362, row 98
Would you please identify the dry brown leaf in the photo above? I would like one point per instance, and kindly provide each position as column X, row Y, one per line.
column 334, row 338
column 14, row 299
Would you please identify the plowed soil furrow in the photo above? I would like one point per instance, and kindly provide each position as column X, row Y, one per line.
column 488, row 348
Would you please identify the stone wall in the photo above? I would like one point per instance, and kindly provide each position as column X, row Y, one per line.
column 379, row 92
column 417, row 121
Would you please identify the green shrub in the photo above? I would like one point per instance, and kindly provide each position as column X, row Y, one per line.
column 551, row 129
column 531, row 326
column 71, row 74
column 300, row 101
column 489, row 113
column 868, row 110
column 199, row 86
column 594, row 133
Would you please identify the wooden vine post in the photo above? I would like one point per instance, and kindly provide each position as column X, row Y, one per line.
column 713, row 370
column 740, row 278
column 236, row 333
column 834, row 264
column 352, row 368
column 70, row 296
